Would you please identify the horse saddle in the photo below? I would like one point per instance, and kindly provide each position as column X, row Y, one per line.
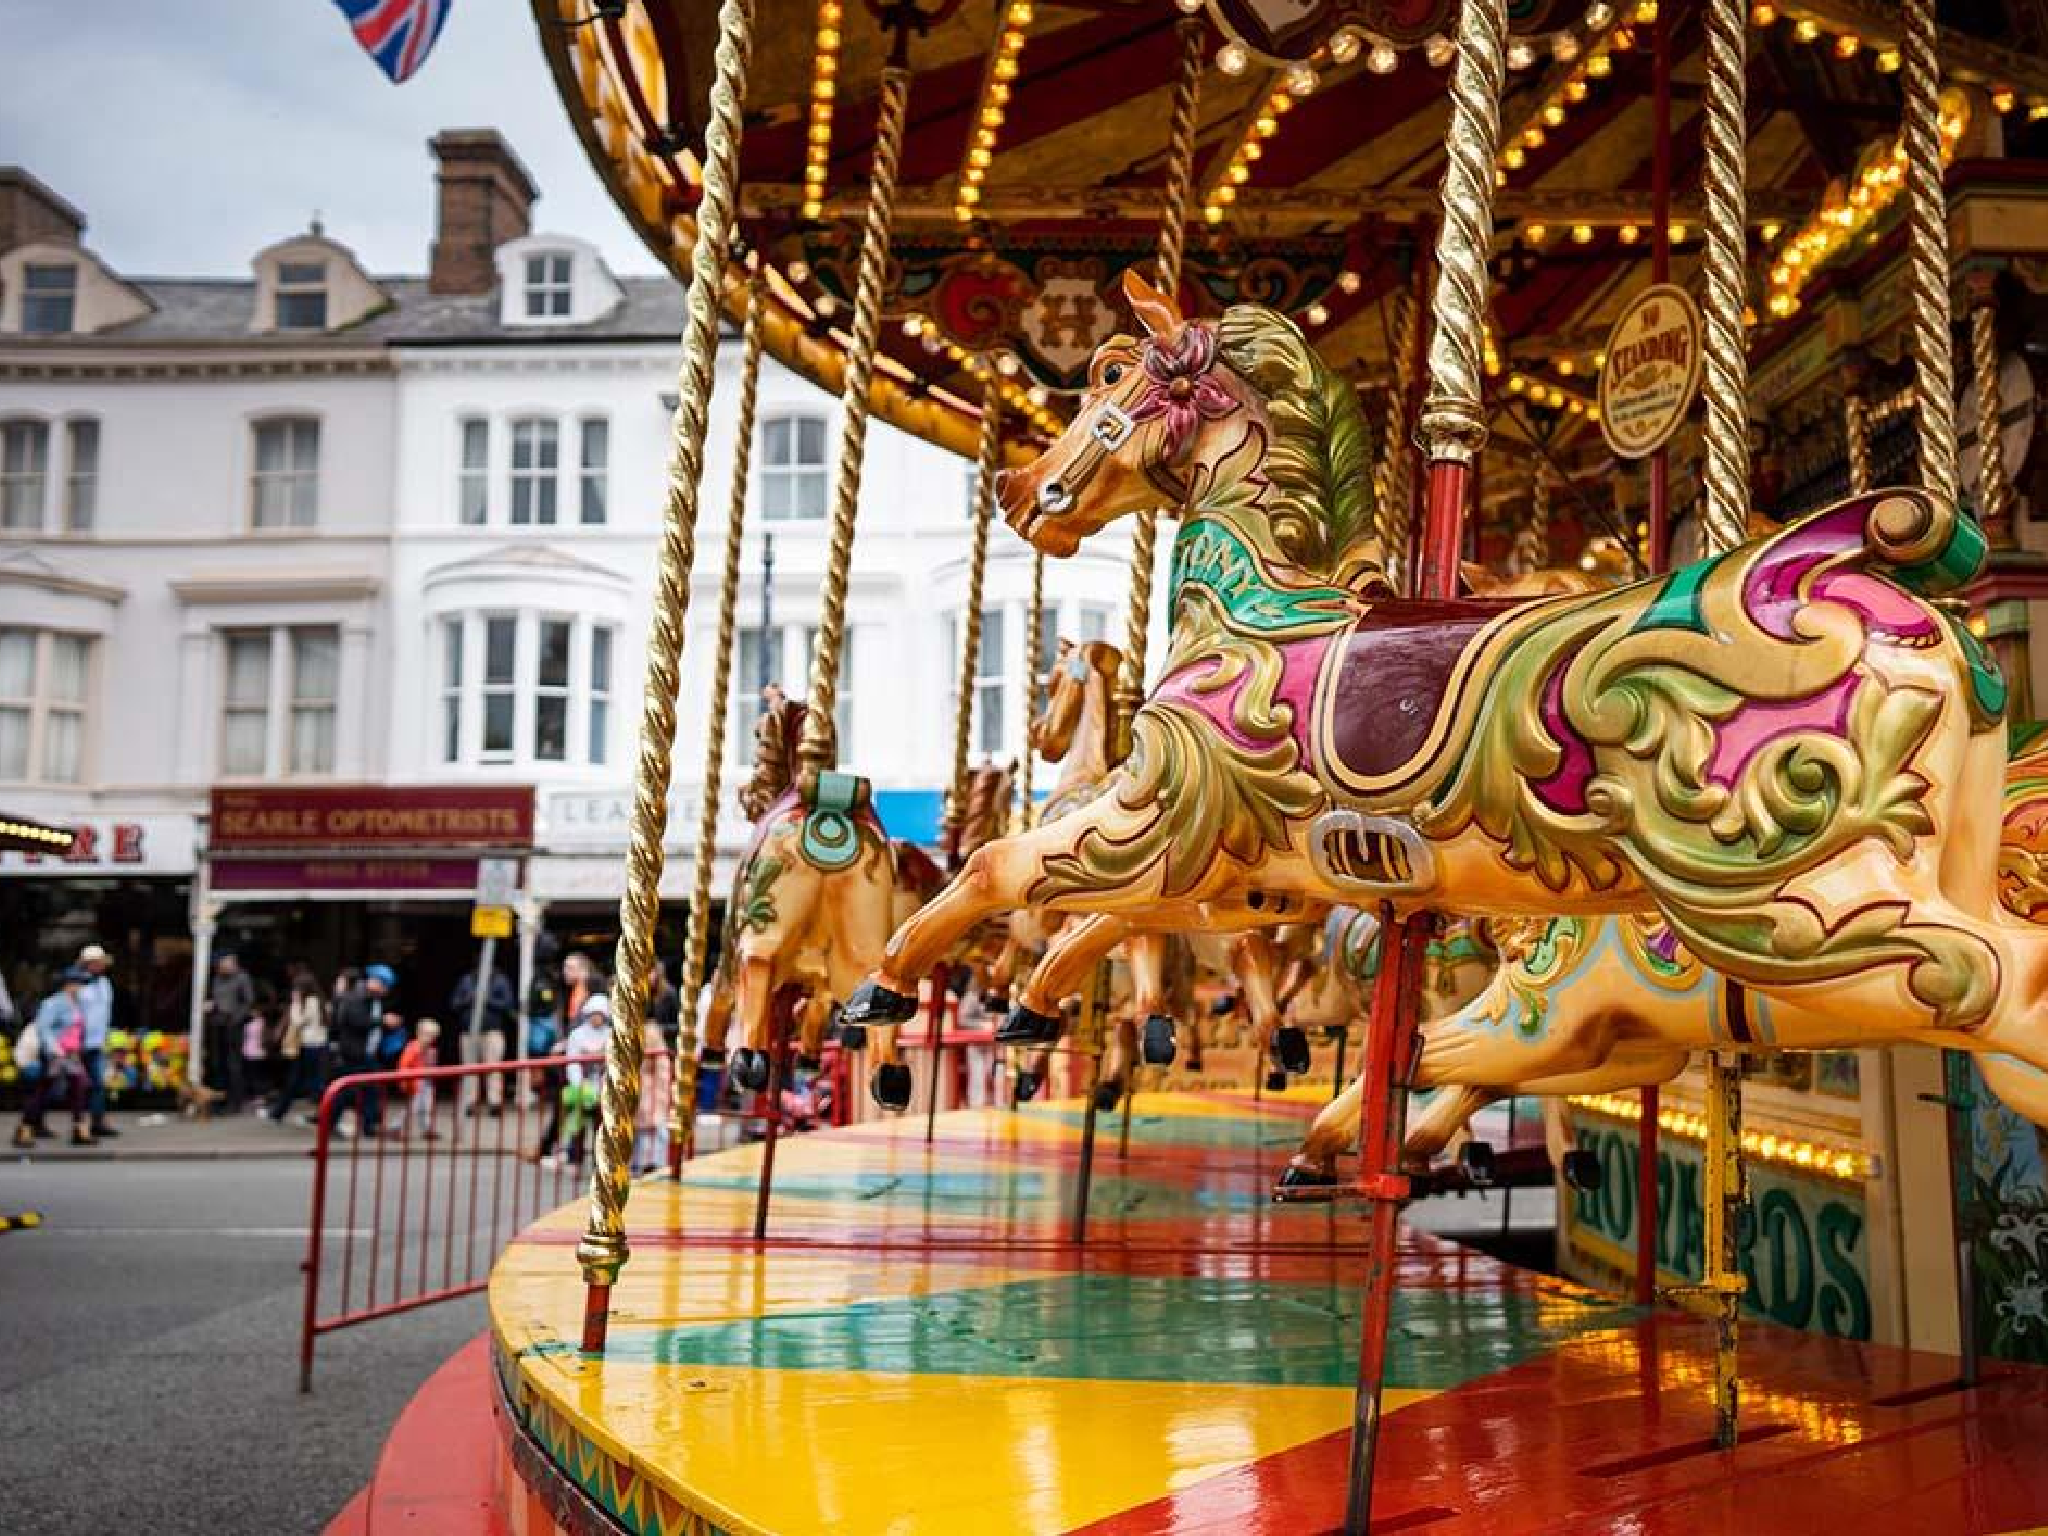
column 1394, row 674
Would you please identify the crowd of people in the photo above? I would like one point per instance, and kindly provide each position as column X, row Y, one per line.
column 274, row 1051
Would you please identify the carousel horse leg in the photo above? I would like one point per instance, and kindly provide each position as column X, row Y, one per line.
column 1146, row 953
column 1034, row 1017
column 1255, row 960
column 1113, row 1078
column 999, row 877
column 754, row 1001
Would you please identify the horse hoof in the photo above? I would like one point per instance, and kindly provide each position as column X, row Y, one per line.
column 750, row 1069
column 1108, row 1095
column 1290, row 1049
column 1476, row 1159
column 1301, row 1173
column 1028, row 1084
column 711, row 1056
column 1158, row 1045
column 890, row 1085
column 873, row 1003
column 1026, row 1026
column 1275, row 1081
column 853, row 1037
column 1582, row 1170
column 994, row 1001
column 809, row 1063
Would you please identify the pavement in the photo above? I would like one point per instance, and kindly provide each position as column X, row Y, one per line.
column 150, row 1378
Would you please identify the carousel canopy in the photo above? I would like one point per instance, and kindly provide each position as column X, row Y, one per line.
column 1037, row 146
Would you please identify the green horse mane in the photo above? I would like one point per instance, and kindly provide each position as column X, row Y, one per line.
column 1320, row 496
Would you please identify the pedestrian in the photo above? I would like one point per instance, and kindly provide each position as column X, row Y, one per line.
column 543, row 1028
column 256, row 1036
column 304, row 1047
column 356, row 1019
column 229, row 1003
column 96, row 997
column 650, row 1119
column 418, row 1055
column 496, row 1039
column 59, row 1027
column 580, row 1094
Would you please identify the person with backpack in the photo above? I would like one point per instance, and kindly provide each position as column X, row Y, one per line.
column 59, row 1047
column 496, row 1040
column 357, row 1018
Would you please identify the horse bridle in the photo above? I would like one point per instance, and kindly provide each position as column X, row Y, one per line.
column 1109, row 431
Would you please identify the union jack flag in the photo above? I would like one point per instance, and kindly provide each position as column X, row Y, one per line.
column 398, row 34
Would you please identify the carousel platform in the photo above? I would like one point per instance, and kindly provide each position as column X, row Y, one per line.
column 918, row 1347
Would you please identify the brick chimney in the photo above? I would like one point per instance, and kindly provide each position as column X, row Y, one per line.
column 30, row 213
column 486, row 198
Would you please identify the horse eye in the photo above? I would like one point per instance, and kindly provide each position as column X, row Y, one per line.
column 1112, row 373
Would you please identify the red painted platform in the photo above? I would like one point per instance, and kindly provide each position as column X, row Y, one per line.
column 918, row 1348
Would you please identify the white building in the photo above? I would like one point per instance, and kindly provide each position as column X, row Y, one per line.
column 316, row 527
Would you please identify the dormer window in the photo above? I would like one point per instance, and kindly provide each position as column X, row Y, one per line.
column 547, row 286
column 302, row 296
column 49, row 298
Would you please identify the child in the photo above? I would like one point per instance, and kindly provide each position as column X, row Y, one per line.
column 580, row 1096
column 256, row 1057
column 419, row 1054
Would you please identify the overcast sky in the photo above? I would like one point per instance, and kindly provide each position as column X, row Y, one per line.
column 192, row 133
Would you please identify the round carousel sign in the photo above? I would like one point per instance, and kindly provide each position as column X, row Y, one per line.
column 1652, row 371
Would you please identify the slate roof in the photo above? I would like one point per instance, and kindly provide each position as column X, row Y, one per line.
column 197, row 310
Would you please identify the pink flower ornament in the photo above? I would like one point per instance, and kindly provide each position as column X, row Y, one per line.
column 1179, row 389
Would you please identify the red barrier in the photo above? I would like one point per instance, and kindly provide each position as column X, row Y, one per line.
column 483, row 1171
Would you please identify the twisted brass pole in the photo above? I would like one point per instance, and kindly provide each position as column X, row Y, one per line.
column 1180, row 176
column 1934, row 387
column 1994, row 493
column 1856, row 441
column 603, row 1249
column 818, row 749
column 682, row 1119
column 1453, row 420
column 986, row 464
column 1034, row 633
column 1532, row 544
column 1393, row 478
column 1725, row 134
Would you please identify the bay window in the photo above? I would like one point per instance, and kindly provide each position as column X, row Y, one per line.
column 45, row 676
column 523, row 688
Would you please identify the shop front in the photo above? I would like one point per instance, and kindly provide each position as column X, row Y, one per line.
column 344, row 875
column 125, row 884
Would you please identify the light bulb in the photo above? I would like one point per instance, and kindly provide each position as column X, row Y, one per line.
column 1382, row 59
column 1438, row 50
column 1345, row 45
column 1233, row 58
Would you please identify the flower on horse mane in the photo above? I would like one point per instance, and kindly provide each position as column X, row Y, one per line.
column 1179, row 387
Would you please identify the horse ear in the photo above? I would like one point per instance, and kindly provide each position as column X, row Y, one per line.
column 1156, row 311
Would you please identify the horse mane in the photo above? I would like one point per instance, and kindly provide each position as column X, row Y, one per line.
column 1320, row 498
column 776, row 734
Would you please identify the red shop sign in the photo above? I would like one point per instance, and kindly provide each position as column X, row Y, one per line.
column 353, row 817
column 345, row 874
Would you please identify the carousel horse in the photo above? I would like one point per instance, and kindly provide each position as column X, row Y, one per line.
column 1626, row 1003
column 1791, row 751
column 813, row 919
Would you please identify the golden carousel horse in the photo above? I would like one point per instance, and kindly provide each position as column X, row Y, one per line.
column 1791, row 750
column 808, row 919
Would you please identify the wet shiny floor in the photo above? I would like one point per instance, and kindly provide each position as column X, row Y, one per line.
column 918, row 1347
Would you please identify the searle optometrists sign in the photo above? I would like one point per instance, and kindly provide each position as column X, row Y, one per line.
column 1652, row 371
column 362, row 837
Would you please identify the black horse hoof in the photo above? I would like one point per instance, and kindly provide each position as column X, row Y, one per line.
column 890, row 1085
column 809, row 1063
column 711, row 1057
column 1158, row 1046
column 873, row 1003
column 853, row 1037
column 1108, row 1095
column 1476, row 1158
column 1301, row 1175
column 1290, row 1049
column 995, row 1000
column 1275, row 1081
column 750, row 1069
column 1026, row 1026
column 1028, row 1084
column 1582, row 1171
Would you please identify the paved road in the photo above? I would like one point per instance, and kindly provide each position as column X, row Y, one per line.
column 149, row 1379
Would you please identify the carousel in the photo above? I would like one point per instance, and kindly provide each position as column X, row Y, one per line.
column 1589, row 662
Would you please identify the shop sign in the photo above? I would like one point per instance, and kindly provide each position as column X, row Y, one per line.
column 394, row 872
column 114, row 845
column 1804, row 1248
column 603, row 818
column 1652, row 371
column 357, row 816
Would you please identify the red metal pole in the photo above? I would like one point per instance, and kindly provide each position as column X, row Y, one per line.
column 1660, row 559
column 321, row 1142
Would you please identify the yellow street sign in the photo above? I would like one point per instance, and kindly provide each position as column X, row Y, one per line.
column 490, row 922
